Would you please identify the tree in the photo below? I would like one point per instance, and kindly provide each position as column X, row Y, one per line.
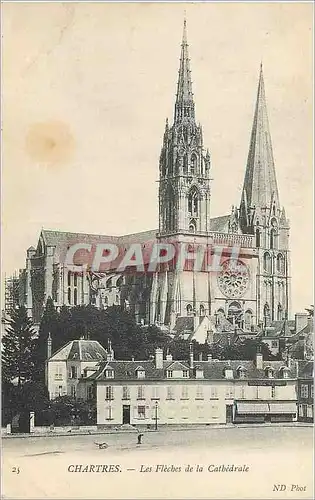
column 67, row 410
column 49, row 325
column 19, row 345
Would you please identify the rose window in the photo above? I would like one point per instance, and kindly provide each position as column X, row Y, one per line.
column 233, row 279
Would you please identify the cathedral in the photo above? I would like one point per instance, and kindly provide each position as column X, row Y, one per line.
column 252, row 294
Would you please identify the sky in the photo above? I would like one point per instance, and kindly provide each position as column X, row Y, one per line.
column 86, row 91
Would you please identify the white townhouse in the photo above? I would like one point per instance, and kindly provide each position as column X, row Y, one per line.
column 164, row 391
column 66, row 366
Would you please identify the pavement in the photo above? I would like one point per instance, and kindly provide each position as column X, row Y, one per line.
column 174, row 462
column 165, row 428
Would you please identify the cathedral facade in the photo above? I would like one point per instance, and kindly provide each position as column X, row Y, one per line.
column 251, row 288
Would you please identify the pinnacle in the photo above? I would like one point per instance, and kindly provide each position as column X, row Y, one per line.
column 184, row 106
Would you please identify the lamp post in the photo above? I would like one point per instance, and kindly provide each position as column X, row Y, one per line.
column 156, row 415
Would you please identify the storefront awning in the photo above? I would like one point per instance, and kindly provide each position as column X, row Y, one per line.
column 288, row 407
column 251, row 408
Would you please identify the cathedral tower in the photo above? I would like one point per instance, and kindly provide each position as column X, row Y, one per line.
column 184, row 193
column 262, row 216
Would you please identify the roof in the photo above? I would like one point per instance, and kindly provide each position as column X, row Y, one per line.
column 306, row 369
column 219, row 224
column 65, row 238
column 184, row 324
column 80, row 350
column 284, row 328
column 57, row 238
column 224, row 339
column 213, row 370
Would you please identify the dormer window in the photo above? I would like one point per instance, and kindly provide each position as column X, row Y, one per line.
column 199, row 372
column 284, row 372
column 241, row 371
column 169, row 373
column 109, row 373
column 140, row 373
column 185, row 373
column 228, row 373
column 73, row 372
column 269, row 372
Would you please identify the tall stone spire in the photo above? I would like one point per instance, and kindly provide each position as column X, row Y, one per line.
column 260, row 188
column 184, row 105
column 184, row 198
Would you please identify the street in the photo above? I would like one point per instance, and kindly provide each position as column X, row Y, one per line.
column 173, row 464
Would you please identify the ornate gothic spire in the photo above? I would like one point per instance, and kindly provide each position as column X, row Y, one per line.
column 184, row 106
column 260, row 184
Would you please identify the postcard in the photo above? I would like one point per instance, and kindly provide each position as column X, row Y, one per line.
column 157, row 331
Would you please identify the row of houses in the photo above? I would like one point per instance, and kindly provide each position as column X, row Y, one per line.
column 166, row 391
column 293, row 336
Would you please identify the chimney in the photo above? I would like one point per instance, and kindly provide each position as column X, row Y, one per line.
column 110, row 352
column 169, row 357
column 49, row 346
column 159, row 358
column 210, row 335
column 301, row 320
column 289, row 361
column 191, row 356
column 259, row 359
column 200, row 356
column 209, row 357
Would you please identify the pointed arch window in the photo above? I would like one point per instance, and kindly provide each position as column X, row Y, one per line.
column 192, row 227
column 202, row 310
column 280, row 312
column 220, row 316
column 235, row 313
column 193, row 164
column 267, row 263
column 193, row 203
column 248, row 319
column 185, row 165
column 266, row 315
column 280, row 264
column 119, row 282
column 170, row 210
column 273, row 235
column 258, row 238
column 189, row 310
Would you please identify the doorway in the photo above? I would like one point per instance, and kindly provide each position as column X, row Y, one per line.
column 126, row 414
column 229, row 414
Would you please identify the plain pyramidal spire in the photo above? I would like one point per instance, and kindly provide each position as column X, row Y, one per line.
column 260, row 185
column 184, row 106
